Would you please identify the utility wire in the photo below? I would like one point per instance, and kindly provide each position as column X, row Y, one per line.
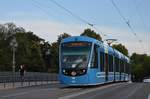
column 71, row 13
column 126, row 22
column 140, row 15
column 38, row 5
column 45, row 11
column 99, row 31
column 118, row 10
column 121, row 15
column 76, row 16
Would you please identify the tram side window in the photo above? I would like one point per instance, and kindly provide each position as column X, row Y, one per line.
column 122, row 66
column 102, row 61
column 117, row 64
column 94, row 62
column 114, row 59
column 110, row 63
column 106, row 68
column 126, row 67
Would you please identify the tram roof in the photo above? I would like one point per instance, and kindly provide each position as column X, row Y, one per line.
column 111, row 50
column 80, row 38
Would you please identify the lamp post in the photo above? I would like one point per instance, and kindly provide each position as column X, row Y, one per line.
column 47, row 56
column 14, row 45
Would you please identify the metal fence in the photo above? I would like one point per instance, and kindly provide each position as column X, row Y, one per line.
column 9, row 79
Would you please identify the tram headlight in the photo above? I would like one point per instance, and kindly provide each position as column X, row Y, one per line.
column 64, row 70
column 73, row 73
column 83, row 70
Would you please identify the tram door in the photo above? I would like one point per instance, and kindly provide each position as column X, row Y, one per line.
column 106, row 67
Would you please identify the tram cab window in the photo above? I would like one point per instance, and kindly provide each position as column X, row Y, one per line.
column 94, row 62
column 102, row 61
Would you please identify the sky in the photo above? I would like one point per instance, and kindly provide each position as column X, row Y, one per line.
column 47, row 20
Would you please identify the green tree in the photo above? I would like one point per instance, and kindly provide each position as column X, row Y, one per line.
column 29, row 51
column 62, row 36
column 46, row 54
column 55, row 52
column 138, row 72
column 121, row 48
column 55, row 57
column 146, row 66
column 92, row 34
column 140, row 66
column 7, row 32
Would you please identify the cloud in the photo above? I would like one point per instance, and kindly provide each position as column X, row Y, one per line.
column 49, row 30
column 127, row 38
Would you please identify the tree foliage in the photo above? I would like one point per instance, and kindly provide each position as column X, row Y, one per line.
column 46, row 54
column 121, row 48
column 140, row 66
column 34, row 52
column 55, row 52
column 28, row 51
column 41, row 56
column 92, row 34
column 62, row 36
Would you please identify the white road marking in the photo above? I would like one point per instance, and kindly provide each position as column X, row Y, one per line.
column 15, row 94
column 149, row 96
column 84, row 92
column 23, row 93
column 133, row 91
column 48, row 89
column 110, row 90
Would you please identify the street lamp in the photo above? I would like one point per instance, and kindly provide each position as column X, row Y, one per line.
column 14, row 45
column 47, row 56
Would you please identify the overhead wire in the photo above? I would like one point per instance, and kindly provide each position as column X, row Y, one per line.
column 37, row 4
column 90, row 24
column 77, row 17
column 122, row 16
column 127, row 22
column 42, row 8
column 71, row 13
column 140, row 15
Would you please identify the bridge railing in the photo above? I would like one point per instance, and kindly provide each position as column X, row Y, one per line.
column 8, row 79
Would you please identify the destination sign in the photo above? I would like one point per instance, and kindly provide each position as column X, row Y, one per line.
column 76, row 44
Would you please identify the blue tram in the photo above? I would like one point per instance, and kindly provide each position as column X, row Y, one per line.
column 87, row 61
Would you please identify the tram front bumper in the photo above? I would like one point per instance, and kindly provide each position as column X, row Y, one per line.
column 74, row 80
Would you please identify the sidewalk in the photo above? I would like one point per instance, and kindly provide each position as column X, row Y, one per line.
column 11, row 85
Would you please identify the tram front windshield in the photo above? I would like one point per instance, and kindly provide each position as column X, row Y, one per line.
column 75, row 55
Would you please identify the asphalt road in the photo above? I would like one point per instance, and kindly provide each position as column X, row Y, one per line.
column 56, row 91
